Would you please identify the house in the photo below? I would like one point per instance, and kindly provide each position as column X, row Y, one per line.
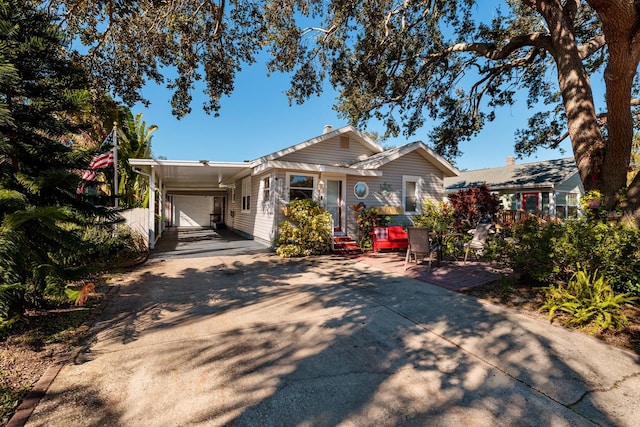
column 553, row 186
column 339, row 168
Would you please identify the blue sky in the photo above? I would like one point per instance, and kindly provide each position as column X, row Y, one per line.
column 257, row 120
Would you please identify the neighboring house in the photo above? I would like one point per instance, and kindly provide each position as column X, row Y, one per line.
column 338, row 169
column 553, row 187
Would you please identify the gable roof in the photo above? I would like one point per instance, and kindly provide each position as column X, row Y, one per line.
column 380, row 159
column 358, row 136
column 547, row 173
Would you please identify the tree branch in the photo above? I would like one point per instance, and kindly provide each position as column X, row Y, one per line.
column 490, row 51
column 592, row 46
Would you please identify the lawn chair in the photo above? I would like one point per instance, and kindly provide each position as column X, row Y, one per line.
column 478, row 241
column 419, row 245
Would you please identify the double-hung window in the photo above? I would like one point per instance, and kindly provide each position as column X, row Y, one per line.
column 410, row 194
column 266, row 189
column 246, row 194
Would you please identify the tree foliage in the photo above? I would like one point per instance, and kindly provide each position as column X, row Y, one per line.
column 405, row 63
column 43, row 93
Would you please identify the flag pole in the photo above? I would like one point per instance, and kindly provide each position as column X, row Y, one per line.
column 115, row 163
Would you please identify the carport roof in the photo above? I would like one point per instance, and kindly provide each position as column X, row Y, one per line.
column 193, row 175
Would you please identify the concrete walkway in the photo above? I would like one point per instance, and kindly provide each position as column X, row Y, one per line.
column 255, row 340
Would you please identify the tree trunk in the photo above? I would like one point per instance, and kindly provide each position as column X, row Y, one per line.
column 621, row 28
column 602, row 164
column 577, row 95
column 617, row 152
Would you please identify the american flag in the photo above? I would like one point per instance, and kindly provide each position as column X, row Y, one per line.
column 102, row 160
column 99, row 161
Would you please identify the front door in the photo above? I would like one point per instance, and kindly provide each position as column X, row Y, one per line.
column 217, row 214
column 530, row 202
column 334, row 202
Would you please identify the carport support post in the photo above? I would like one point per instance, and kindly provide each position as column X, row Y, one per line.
column 152, row 209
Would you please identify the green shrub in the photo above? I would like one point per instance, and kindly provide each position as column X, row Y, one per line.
column 307, row 231
column 114, row 245
column 96, row 248
column 532, row 256
column 549, row 253
column 435, row 216
column 496, row 248
column 587, row 299
column 11, row 303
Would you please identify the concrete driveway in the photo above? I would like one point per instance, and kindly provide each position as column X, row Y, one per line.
column 255, row 340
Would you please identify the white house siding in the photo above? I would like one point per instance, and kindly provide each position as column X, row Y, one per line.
column 138, row 220
column 192, row 211
column 239, row 221
column 412, row 164
column 572, row 185
column 330, row 152
column 262, row 209
column 259, row 223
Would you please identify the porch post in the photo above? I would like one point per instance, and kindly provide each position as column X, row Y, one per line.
column 160, row 208
column 152, row 208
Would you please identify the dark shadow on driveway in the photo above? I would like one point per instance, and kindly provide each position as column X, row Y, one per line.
column 320, row 342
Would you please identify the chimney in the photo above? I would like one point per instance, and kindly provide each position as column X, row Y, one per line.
column 511, row 161
column 327, row 129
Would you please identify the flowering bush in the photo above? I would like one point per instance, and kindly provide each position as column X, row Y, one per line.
column 366, row 219
column 593, row 206
column 307, row 231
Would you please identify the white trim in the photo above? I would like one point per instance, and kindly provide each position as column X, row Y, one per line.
column 343, row 196
column 366, row 191
column 312, row 167
column 315, row 193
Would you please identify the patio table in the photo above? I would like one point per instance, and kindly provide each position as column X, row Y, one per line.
column 440, row 239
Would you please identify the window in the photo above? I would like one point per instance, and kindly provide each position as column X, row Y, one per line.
column 410, row 190
column 301, row 187
column 246, row 194
column 361, row 190
column 566, row 205
column 266, row 189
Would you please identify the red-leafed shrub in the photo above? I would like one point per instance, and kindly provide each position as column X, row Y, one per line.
column 473, row 205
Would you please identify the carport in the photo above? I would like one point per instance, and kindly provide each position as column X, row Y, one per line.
column 185, row 193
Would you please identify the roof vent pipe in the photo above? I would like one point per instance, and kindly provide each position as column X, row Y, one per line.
column 327, row 129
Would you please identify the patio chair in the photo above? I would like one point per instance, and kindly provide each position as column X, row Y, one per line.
column 419, row 245
column 478, row 241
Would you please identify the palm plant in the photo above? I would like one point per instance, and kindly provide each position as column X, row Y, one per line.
column 134, row 142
